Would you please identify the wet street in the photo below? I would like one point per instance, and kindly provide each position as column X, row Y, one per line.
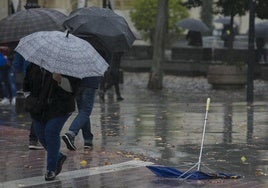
column 163, row 128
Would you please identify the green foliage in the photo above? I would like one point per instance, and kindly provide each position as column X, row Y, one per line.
column 261, row 9
column 231, row 7
column 193, row 3
column 144, row 15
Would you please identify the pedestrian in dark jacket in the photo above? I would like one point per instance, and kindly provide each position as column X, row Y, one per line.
column 112, row 77
column 194, row 38
column 261, row 51
column 50, row 106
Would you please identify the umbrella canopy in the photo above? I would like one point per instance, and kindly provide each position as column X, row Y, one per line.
column 62, row 53
column 261, row 30
column 112, row 29
column 169, row 172
column 28, row 21
column 193, row 24
column 224, row 20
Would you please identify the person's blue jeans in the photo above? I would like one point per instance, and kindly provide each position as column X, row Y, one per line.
column 4, row 83
column 12, row 82
column 48, row 134
column 8, row 83
column 85, row 103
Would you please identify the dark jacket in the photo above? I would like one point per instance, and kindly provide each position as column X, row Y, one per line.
column 56, row 101
column 91, row 82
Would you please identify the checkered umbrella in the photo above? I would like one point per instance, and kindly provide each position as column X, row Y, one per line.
column 111, row 28
column 62, row 53
column 28, row 21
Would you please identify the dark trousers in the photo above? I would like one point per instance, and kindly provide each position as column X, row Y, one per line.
column 32, row 135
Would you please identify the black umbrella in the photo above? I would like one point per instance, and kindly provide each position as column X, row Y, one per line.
column 193, row 25
column 109, row 27
column 261, row 30
column 28, row 21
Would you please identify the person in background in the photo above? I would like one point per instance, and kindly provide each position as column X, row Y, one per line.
column 228, row 34
column 3, row 61
column 261, row 56
column 112, row 77
column 85, row 102
column 55, row 105
column 8, row 79
column 20, row 65
column 194, row 38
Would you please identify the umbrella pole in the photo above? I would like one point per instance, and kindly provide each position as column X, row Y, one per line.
column 201, row 149
column 203, row 135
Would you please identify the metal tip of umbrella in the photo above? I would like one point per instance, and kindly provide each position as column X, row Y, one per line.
column 67, row 34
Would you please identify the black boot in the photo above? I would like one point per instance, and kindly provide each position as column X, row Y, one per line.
column 50, row 176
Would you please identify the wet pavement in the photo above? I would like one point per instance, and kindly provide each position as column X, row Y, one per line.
column 149, row 127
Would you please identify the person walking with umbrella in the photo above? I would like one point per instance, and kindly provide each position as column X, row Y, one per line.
column 59, row 62
column 54, row 107
column 194, row 38
column 195, row 28
column 85, row 102
column 261, row 34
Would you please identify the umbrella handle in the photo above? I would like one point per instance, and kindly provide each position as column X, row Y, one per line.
column 203, row 135
column 67, row 34
column 208, row 103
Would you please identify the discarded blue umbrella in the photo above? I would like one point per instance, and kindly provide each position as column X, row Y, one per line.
column 169, row 172
column 191, row 174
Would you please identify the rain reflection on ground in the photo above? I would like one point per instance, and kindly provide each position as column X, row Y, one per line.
column 167, row 126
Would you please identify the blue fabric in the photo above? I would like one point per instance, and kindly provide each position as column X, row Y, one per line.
column 19, row 63
column 12, row 82
column 91, row 82
column 4, row 83
column 169, row 172
column 85, row 103
column 8, row 82
column 3, row 60
column 48, row 134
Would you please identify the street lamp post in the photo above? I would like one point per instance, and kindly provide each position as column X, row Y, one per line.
column 251, row 54
column 104, row 3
